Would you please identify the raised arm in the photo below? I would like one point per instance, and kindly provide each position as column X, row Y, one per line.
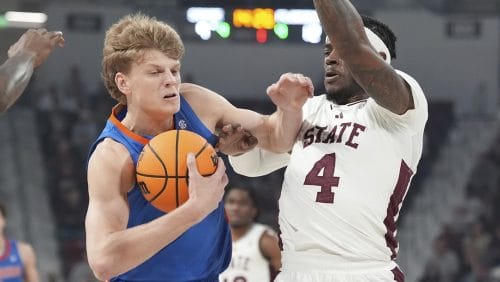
column 27, row 53
column 112, row 248
column 344, row 28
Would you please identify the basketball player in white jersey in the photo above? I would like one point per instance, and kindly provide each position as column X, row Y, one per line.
column 256, row 254
column 353, row 160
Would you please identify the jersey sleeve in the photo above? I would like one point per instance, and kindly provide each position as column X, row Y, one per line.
column 413, row 120
column 258, row 162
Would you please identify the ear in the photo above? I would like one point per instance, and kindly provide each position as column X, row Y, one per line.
column 122, row 83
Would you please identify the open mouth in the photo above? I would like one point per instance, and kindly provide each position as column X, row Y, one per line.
column 331, row 74
column 168, row 96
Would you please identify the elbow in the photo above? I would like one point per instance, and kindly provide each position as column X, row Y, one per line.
column 102, row 268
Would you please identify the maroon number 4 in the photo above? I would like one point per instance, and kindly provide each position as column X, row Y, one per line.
column 326, row 181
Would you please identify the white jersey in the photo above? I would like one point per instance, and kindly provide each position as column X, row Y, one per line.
column 247, row 262
column 349, row 172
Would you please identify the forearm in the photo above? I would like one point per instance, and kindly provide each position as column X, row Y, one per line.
column 284, row 127
column 121, row 251
column 15, row 75
column 258, row 162
column 342, row 24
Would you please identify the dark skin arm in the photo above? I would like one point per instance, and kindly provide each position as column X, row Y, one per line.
column 344, row 27
column 234, row 140
column 269, row 247
column 31, row 50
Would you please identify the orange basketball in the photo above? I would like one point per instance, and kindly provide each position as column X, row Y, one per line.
column 161, row 169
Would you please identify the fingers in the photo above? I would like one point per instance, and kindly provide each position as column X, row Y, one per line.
column 56, row 38
column 228, row 131
column 232, row 128
column 294, row 78
column 310, row 87
column 249, row 142
column 191, row 165
column 272, row 89
column 54, row 34
column 221, row 169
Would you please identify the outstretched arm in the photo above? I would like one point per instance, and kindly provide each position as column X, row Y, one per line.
column 27, row 53
column 258, row 162
column 275, row 132
column 344, row 27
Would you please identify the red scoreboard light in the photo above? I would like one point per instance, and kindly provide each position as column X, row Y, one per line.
column 261, row 35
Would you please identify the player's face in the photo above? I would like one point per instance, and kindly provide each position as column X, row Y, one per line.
column 154, row 83
column 239, row 208
column 339, row 83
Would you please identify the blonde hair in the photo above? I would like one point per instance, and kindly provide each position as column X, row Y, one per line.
column 128, row 39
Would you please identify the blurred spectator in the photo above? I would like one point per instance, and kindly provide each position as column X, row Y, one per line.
column 443, row 265
column 17, row 259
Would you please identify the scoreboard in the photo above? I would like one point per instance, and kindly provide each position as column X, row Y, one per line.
column 260, row 24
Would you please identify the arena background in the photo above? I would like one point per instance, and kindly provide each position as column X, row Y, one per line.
column 450, row 220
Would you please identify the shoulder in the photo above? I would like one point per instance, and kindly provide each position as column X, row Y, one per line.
column 207, row 104
column 110, row 153
column 191, row 91
column 413, row 119
column 111, row 148
column 25, row 251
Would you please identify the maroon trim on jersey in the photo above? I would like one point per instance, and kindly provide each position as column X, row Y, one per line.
column 398, row 274
column 6, row 250
column 404, row 178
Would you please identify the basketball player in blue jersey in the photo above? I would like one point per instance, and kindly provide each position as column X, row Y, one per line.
column 353, row 160
column 31, row 50
column 127, row 238
column 17, row 259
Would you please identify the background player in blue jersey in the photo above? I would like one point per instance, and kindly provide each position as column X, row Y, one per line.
column 31, row 50
column 17, row 259
column 127, row 238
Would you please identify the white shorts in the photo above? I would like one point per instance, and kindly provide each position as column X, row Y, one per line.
column 310, row 267
column 333, row 276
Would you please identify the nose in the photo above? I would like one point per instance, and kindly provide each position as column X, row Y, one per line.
column 332, row 58
column 170, row 78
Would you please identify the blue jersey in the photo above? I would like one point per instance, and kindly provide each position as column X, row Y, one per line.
column 11, row 266
column 200, row 253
